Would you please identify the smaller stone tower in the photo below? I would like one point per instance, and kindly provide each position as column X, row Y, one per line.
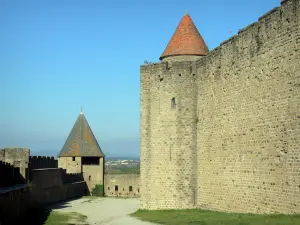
column 81, row 153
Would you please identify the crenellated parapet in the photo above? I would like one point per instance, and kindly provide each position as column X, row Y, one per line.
column 10, row 175
column 42, row 162
column 70, row 177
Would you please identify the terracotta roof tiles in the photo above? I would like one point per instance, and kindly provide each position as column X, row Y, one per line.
column 186, row 40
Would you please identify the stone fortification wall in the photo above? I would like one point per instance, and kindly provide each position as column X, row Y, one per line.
column 235, row 130
column 71, row 177
column 10, row 175
column 122, row 185
column 249, row 118
column 42, row 162
column 46, row 187
column 18, row 157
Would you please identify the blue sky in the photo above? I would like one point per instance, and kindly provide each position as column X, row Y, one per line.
column 59, row 55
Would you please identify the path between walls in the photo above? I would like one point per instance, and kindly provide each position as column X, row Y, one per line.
column 104, row 211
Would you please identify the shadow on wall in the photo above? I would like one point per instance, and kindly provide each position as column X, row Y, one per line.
column 10, row 175
column 46, row 188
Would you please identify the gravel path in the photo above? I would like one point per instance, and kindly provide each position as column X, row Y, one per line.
column 104, row 211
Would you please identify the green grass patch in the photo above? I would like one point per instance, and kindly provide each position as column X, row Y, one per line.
column 49, row 217
column 98, row 190
column 59, row 218
column 202, row 217
column 123, row 170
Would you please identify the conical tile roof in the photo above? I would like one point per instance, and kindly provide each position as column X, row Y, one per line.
column 81, row 141
column 186, row 40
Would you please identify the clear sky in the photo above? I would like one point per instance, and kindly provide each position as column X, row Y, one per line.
column 59, row 55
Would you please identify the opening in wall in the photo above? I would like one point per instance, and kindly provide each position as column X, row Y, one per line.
column 138, row 190
column 90, row 161
column 73, row 158
column 173, row 103
column 90, row 177
column 108, row 188
column 116, row 188
column 130, row 188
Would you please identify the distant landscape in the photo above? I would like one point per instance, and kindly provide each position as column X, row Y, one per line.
column 123, row 166
column 107, row 158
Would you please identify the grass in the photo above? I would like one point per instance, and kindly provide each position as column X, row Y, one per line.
column 123, row 170
column 202, row 217
column 49, row 217
column 58, row 218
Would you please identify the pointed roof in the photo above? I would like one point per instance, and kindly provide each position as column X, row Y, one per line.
column 186, row 40
column 81, row 140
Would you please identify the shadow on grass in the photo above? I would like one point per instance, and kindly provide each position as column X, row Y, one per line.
column 36, row 216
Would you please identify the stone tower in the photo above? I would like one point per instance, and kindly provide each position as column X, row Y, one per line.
column 169, row 122
column 81, row 153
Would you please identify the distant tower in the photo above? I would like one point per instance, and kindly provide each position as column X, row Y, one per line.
column 169, row 122
column 81, row 153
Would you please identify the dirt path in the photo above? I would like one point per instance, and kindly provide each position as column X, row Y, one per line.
column 104, row 211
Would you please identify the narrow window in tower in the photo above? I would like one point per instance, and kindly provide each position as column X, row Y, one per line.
column 73, row 158
column 116, row 188
column 173, row 103
column 90, row 177
column 130, row 188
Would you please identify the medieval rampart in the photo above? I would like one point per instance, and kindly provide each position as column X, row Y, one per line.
column 10, row 175
column 248, row 105
column 70, row 177
column 243, row 138
column 18, row 157
column 122, row 185
column 46, row 187
column 42, row 162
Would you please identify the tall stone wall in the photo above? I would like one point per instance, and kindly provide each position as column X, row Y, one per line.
column 248, row 133
column 232, row 143
column 168, row 135
column 127, row 185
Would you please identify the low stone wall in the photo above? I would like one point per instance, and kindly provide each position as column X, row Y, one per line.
column 46, row 187
column 122, row 185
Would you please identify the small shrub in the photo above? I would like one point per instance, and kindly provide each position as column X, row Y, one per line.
column 98, row 190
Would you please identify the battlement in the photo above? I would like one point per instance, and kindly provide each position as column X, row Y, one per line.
column 42, row 162
column 71, row 177
column 248, row 41
column 10, row 175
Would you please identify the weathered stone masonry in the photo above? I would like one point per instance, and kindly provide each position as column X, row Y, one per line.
column 233, row 141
